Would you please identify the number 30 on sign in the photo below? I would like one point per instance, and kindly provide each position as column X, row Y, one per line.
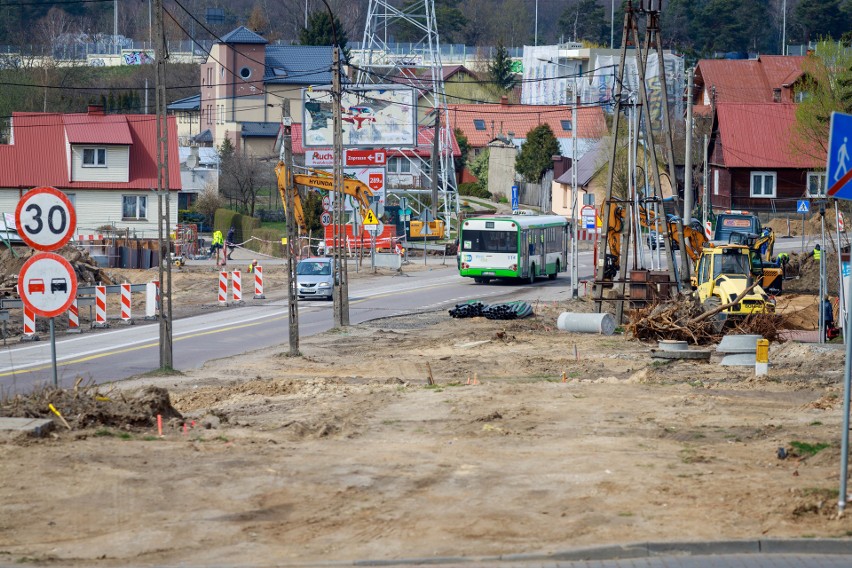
column 45, row 218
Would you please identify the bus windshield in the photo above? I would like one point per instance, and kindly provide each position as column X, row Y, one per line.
column 489, row 241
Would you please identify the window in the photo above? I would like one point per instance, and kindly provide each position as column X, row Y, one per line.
column 134, row 207
column 479, row 124
column 816, row 184
column 566, row 125
column 94, row 157
column 763, row 184
column 245, row 72
column 221, row 114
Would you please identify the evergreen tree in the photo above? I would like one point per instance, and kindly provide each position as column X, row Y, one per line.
column 500, row 68
column 322, row 30
column 585, row 20
column 820, row 18
column 464, row 148
column 479, row 168
column 536, row 155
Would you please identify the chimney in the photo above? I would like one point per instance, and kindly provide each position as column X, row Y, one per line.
column 95, row 110
column 504, row 100
column 561, row 164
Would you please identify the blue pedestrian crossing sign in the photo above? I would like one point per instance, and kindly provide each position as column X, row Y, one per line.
column 515, row 198
column 838, row 171
column 803, row 206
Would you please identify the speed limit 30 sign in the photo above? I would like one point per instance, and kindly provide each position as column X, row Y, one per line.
column 45, row 218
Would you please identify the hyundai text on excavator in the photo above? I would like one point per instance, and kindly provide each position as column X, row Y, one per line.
column 321, row 180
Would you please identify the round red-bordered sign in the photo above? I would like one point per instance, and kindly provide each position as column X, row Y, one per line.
column 45, row 218
column 47, row 284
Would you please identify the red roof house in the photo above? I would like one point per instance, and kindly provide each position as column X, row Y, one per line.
column 107, row 164
column 756, row 161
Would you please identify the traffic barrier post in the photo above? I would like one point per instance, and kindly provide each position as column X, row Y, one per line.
column 258, row 283
column 223, row 288
column 125, row 302
column 151, row 297
column 74, row 317
column 100, row 307
column 29, row 326
column 237, row 286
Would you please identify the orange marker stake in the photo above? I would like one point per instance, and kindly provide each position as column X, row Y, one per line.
column 160, row 425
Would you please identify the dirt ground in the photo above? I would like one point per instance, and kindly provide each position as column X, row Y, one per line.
column 347, row 452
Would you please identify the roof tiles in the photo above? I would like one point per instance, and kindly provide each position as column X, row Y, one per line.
column 755, row 135
column 481, row 123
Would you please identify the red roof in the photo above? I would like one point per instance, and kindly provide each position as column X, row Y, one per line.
column 38, row 155
column 754, row 135
column 503, row 118
column 748, row 81
column 424, row 143
column 97, row 129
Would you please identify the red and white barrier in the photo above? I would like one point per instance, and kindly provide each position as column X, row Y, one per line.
column 73, row 317
column 223, row 288
column 258, row 283
column 587, row 234
column 29, row 325
column 125, row 302
column 100, row 307
column 237, row 285
column 708, row 230
column 81, row 238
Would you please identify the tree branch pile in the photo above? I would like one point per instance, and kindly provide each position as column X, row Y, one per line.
column 683, row 319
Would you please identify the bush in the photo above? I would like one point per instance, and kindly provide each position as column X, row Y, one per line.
column 269, row 242
column 473, row 189
column 243, row 224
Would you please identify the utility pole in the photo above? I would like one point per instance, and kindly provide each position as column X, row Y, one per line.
column 292, row 233
column 687, row 174
column 166, row 355
column 705, row 204
column 575, row 233
column 436, row 164
column 341, row 289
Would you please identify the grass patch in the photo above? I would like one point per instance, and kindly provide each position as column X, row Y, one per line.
column 815, row 423
column 162, row 373
column 436, row 388
column 107, row 433
column 807, row 449
column 279, row 226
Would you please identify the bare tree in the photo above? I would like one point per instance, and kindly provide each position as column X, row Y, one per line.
column 241, row 178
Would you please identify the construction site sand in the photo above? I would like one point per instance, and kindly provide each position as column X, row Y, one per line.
column 346, row 452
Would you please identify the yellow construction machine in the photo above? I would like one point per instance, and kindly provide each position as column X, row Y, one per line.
column 319, row 179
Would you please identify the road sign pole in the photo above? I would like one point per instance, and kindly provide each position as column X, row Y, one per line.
column 53, row 352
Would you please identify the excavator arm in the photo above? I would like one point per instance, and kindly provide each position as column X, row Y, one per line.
column 320, row 180
column 298, row 211
column 618, row 213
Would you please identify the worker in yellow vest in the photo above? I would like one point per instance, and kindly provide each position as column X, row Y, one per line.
column 817, row 252
column 216, row 246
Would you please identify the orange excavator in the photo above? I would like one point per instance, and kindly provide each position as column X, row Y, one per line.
column 319, row 179
column 695, row 238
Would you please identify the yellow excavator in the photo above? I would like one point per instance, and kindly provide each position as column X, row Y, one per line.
column 321, row 180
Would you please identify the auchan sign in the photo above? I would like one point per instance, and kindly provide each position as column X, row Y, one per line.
column 319, row 158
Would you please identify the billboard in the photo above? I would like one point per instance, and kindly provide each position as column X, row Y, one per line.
column 375, row 115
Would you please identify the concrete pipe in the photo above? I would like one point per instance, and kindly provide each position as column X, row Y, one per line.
column 586, row 323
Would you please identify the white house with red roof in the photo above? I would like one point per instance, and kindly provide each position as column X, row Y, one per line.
column 106, row 164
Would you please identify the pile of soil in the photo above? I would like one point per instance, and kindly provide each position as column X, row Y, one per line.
column 803, row 274
column 89, row 407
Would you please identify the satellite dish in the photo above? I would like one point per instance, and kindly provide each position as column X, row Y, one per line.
column 192, row 161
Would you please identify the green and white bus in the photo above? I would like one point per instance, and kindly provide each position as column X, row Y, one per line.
column 513, row 246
